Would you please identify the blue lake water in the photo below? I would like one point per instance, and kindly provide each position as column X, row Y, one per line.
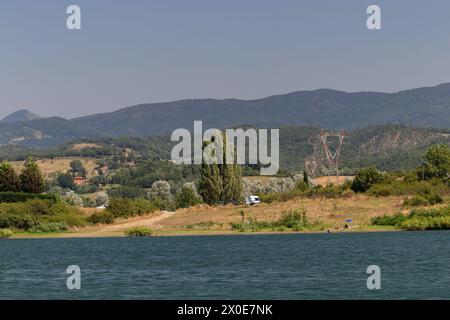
column 414, row 265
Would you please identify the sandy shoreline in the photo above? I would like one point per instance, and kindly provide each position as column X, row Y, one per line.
column 194, row 233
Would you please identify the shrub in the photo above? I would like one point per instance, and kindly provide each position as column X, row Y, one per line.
column 434, row 199
column 347, row 193
column 16, row 216
column 365, row 178
column 102, row 199
column 383, row 190
column 13, row 197
column 127, row 192
column 421, row 213
column 26, row 215
column 187, row 197
column 386, row 220
column 72, row 218
column 101, row 218
column 122, row 207
column 72, row 199
column 49, row 227
column 428, row 223
column 415, row 201
column 86, row 189
column 139, row 232
column 5, row 233
column 161, row 196
column 293, row 219
column 141, row 207
column 330, row 191
column 281, row 197
column 88, row 202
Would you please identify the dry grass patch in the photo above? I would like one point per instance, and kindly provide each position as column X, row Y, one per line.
column 50, row 167
column 332, row 212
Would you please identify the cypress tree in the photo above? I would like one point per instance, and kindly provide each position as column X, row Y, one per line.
column 9, row 181
column 237, row 183
column 231, row 178
column 305, row 177
column 210, row 183
column 31, row 179
column 220, row 183
column 227, row 174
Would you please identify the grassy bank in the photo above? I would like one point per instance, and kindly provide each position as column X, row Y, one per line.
column 319, row 216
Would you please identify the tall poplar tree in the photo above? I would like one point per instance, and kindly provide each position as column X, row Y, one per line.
column 210, row 183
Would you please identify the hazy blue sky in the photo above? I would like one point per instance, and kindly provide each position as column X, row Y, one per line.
column 131, row 52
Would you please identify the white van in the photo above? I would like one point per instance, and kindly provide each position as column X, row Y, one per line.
column 251, row 200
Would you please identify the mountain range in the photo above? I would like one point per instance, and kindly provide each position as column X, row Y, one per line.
column 427, row 107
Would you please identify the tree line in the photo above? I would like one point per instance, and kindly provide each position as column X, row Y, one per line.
column 30, row 179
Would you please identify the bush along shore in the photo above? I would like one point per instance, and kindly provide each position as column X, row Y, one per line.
column 418, row 219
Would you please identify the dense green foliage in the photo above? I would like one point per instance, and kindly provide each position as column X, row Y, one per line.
column 294, row 220
column 139, row 232
column 31, row 179
column 302, row 190
column 6, row 233
column 9, row 181
column 395, row 220
column 127, row 192
column 11, row 197
column 366, row 178
column 187, row 197
column 123, row 207
column 210, row 183
column 220, row 183
column 438, row 162
column 418, row 219
column 35, row 213
column 77, row 168
column 103, row 217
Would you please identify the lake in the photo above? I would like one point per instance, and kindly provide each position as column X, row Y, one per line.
column 414, row 265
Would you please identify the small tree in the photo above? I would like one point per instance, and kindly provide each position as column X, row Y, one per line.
column 77, row 168
column 102, row 199
column 72, row 199
column 9, row 181
column 438, row 161
column 187, row 197
column 366, row 178
column 161, row 196
column 31, row 179
column 306, row 177
column 65, row 181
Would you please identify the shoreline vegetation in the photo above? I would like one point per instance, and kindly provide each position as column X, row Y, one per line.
column 367, row 213
column 211, row 202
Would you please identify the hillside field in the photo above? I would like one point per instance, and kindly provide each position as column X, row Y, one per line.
column 51, row 167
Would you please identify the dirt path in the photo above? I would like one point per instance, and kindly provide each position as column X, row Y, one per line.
column 139, row 222
column 117, row 229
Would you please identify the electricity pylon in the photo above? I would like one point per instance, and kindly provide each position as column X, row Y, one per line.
column 326, row 153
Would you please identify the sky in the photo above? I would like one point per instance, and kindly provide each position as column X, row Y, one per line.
column 136, row 51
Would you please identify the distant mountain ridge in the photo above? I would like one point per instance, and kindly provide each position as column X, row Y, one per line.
column 331, row 109
column 20, row 115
